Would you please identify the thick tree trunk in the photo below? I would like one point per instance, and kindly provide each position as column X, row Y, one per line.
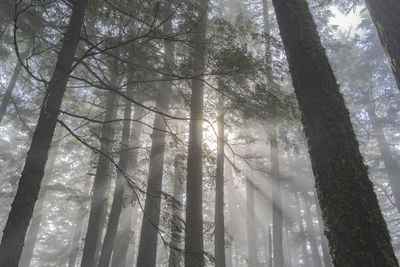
column 324, row 241
column 219, row 190
column 126, row 230
column 306, row 258
column 34, row 227
column 100, row 186
column 194, row 250
column 118, row 196
column 251, row 225
column 29, row 185
column 7, row 96
column 316, row 259
column 385, row 15
column 356, row 229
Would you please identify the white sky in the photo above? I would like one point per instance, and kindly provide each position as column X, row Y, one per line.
column 346, row 22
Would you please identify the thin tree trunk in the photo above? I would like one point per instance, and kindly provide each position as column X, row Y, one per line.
column 316, row 259
column 385, row 15
column 306, row 257
column 288, row 248
column 251, row 226
column 194, row 250
column 360, row 237
column 118, row 197
column 270, row 258
column 219, row 190
column 324, row 241
column 7, row 96
column 100, row 186
column 29, row 185
column 126, row 232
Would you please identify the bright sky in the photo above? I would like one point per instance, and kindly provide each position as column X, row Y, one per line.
column 346, row 21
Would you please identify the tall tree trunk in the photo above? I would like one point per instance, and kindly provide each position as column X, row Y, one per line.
column 385, row 15
column 324, row 241
column 219, row 190
column 147, row 254
column 270, row 248
column 310, row 231
column 288, row 248
column 126, row 230
column 391, row 165
column 7, row 96
column 360, row 237
column 251, row 225
column 176, row 220
column 101, row 182
column 29, row 185
column 194, row 187
column 118, row 196
column 34, row 227
column 306, row 257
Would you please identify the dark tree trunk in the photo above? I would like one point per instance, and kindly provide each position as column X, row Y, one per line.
column 360, row 237
column 29, row 185
column 324, row 241
column 176, row 220
column 251, row 225
column 316, row 259
column 276, row 202
column 34, row 227
column 306, row 257
column 100, row 186
column 118, row 197
column 7, row 96
column 219, row 190
column 194, row 188
column 147, row 253
column 385, row 15
column 126, row 232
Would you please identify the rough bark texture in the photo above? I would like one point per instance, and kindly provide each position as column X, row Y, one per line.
column 219, row 190
column 324, row 241
column 7, row 96
column 118, row 196
column 251, row 225
column 385, row 15
column 32, row 174
column 194, row 188
column 310, row 231
column 98, row 205
column 356, row 229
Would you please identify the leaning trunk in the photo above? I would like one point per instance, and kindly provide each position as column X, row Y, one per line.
column 385, row 15
column 29, row 185
column 344, row 189
column 7, row 96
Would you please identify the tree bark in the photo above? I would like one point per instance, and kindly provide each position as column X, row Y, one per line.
column 251, row 225
column 194, row 188
column 118, row 196
column 385, row 15
column 29, row 185
column 7, row 96
column 316, row 259
column 356, row 229
column 324, row 241
column 219, row 190
column 101, row 182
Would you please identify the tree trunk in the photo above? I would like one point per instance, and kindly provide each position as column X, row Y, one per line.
column 270, row 248
column 310, row 232
column 118, row 197
column 194, row 188
column 219, row 190
column 360, row 237
column 251, row 225
column 126, row 232
column 385, row 15
column 101, row 178
column 29, row 185
column 7, row 96
column 324, row 241
column 306, row 257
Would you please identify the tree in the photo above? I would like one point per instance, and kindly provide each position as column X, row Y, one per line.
column 343, row 187
column 387, row 23
column 32, row 174
column 7, row 96
column 251, row 225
